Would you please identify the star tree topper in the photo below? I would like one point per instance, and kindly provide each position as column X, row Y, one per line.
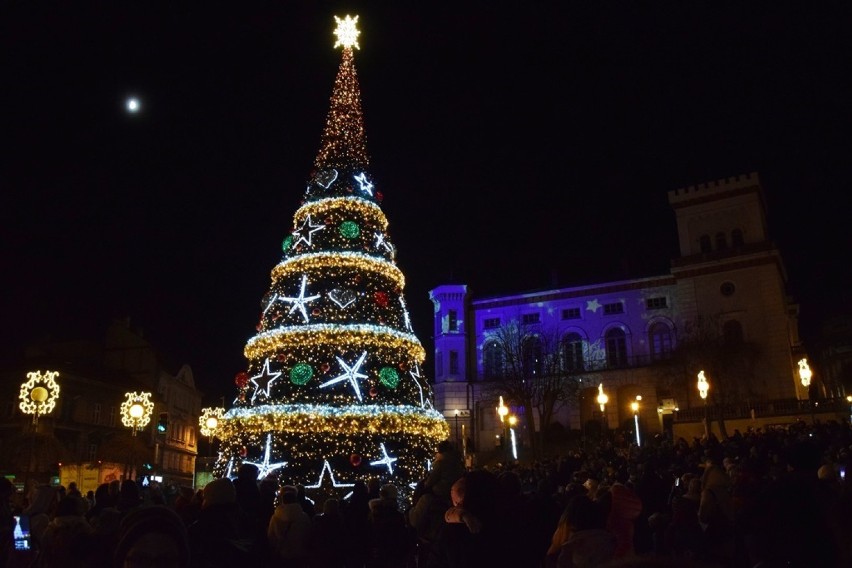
column 347, row 32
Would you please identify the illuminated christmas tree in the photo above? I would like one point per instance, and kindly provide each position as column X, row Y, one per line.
column 334, row 390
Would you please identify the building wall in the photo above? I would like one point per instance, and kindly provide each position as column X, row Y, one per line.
column 742, row 279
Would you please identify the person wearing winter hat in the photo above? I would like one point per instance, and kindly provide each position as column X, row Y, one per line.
column 152, row 536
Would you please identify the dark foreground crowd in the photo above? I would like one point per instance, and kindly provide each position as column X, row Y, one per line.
column 763, row 499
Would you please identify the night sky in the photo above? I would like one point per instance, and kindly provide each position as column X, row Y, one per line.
column 516, row 147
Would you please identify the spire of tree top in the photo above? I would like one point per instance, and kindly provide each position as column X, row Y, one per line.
column 347, row 33
column 343, row 144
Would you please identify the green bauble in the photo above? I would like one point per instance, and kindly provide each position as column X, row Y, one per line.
column 389, row 377
column 287, row 244
column 301, row 374
column 350, row 229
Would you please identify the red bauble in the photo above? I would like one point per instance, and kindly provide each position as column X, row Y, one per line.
column 281, row 357
column 403, row 366
column 241, row 379
column 381, row 298
column 243, row 451
column 379, row 196
column 374, row 391
column 316, row 312
column 355, row 460
column 324, row 367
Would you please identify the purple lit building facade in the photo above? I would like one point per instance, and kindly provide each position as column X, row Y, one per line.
column 728, row 276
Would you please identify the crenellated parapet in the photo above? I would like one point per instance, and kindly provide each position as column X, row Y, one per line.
column 714, row 189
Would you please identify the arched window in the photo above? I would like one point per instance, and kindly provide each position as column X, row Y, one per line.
column 660, row 341
column 704, row 243
column 732, row 332
column 492, row 360
column 737, row 238
column 572, row 352
column 532, row 358
column 616, row 348
column 721, row 241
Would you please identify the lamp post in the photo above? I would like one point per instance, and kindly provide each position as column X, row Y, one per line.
column 456, row 418
column 209, row 423
column 502, row 412
column 703, row 389
column 513, row 420
column 805, row 375
column 602, row 400
column 136, row 414
column 38, row 396
column 635, row 407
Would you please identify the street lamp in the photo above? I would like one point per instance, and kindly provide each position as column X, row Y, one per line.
column 209, row 423
column 135, row 414
column 512, row 421
column 635, row 407
column 805, row 375
column 456, row 413
column 703, row 389
column 849, row 400
column 602, row 400
column 502, row 412
column 39, row 394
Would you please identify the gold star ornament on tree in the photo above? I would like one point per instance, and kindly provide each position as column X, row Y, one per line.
column 347, row 32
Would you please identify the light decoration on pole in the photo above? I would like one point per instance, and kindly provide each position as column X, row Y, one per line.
column 136, row 410
column 703, row 388
column 602, row 398
column 513, row 420
column 209, row 421
column 805, row 375
column 502, row 410
column 634, row 406
column 39, row 393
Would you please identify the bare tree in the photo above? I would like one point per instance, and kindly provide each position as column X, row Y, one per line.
column 529, row 371
column 719, row 350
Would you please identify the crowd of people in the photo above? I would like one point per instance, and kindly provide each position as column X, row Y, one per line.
column 759, row 499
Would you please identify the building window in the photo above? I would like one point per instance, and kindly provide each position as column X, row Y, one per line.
column 453, row 321
column 616, row 308
column 737, row 238
column 616, row 348
column 571, row 313
column 660, row 339
column 92, row 454
column 572, row 352
column 721, row 241
column 531, row 355
column 704, row 243
column 96, row 413
column 656, row 303
column 454, row 362
column 439, row 364
column 111, row 416
column 528, row 319
column 732, row 332
column 727, row 288
column 492, row 360
column 491, row 323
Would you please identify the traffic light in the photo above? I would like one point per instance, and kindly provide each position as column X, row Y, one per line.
column 163, row 423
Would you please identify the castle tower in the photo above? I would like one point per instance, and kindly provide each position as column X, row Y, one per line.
column 733, row 275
